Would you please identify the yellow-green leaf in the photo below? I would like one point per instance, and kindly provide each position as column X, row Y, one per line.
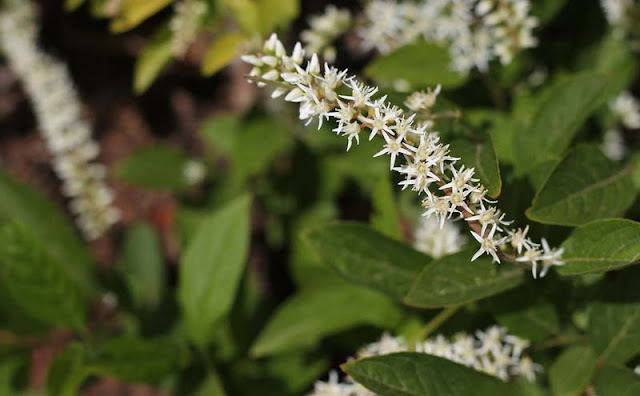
column 221, row 52
column 153, row 59
column 245, row 13
column 134, row 12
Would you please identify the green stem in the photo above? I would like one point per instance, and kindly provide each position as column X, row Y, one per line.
column 438, row 320
column 560, row 341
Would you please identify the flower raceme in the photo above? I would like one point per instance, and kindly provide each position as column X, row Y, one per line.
column 326, row 93
column 58, row 111
column 492, row 351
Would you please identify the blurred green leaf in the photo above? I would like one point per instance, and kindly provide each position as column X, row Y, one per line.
column 257, row 145
column 614, row 319
column 133, row 12
column 71, row 5
column 246, row 13
column 220, row 133
column 454, row 279
column 22, row 204
column 546, row 10
column 616, row 60
column 602, row 245
column 221, row 52
column 211, row 268
column 68, row 371
column 571, row 372
column 155, row 56
column 584, row 186
column 37, row 282
column 419, row 374
column 534, row 323
column 138, row 360
column 617, row 381
column 385, row 216
column 142, row 265
column 274, row 14
column 158, row 166
column 559, row 116
column 482, row 157
column 11, row 366
column 366, row 257
column 422, row 64
column 212, row 386
column 304, row 319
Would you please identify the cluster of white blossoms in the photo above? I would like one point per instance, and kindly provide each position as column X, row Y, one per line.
column 475, row 31
column 616, row 10
column 58, row 110
column 431, row 239
column 428, row 168
column 324, row 29
column 626, row 111
column 492, row 351
column 185, row 23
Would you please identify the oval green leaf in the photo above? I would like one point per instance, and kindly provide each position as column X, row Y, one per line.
column 482, row 157
column 366, row 257
column 421, row 64
column 419, row 374
column 583, row 187
column 306, row 318
column 571, row 372
column 211, row 268
column 602, row 245
column 454, row 279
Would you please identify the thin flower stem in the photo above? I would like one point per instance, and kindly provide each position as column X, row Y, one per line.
column 438, row 320
column 560, row 341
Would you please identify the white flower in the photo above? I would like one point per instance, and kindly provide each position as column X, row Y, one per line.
column 531, row 255
column 626, row 108
column 420, row 101
column 185, row 24
column 430, row 239
column 194, row 172
column 551, row 257
column 527, row 368
column 615, row 10
column 613, row 145
column 324, row 29
column 58, row 111
column 488, row 244
column 427, row 162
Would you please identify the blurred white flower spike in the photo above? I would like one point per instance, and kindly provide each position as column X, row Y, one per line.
column 475, row 32
column 48, row 84
column 492, row 351
column 449, row 189
column 324, row 29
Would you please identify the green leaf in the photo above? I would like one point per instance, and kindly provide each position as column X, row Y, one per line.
column 133, row 12
column 71, row 5
column 155, row 56
column 212, row 386
column 305, row 319
column 535, row 323
column 421, row 64
column 614, row 320
column 220, row 133
column 254, row 152
column 454, row 279
column 545, row 10
column 571, row 372
column 246, row 13
column 211, row 268
column 138, row 360
column 617, row 381
column 602, row 245
column 557, row 119
column 364, row 256
column 142, row 265
column 11, row 368
column 419, row 374
column 584, row 186
column 616, row 60
column 385, row 217
column 158, row 167
column 68, row 371
column 482, row 157
column 221, row 52
column 274, row 14
column 37, row 282
column 24, row 205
